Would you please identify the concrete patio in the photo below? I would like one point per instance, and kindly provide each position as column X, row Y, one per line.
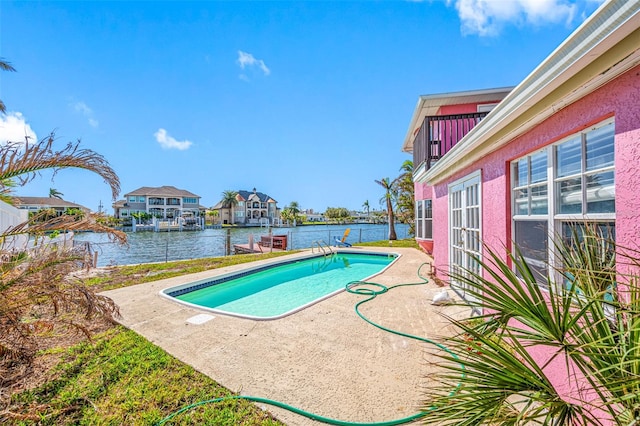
column 324, row 359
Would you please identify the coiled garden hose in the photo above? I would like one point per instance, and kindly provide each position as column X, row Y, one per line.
column 365, row 288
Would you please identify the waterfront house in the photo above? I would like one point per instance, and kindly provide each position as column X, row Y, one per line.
column 313, row 216
column 559, row 148
column 559, row 151
column 165, row 202
column 35, row 204
column 252, row 208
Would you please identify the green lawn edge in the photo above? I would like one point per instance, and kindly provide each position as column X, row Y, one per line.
column 121, row 378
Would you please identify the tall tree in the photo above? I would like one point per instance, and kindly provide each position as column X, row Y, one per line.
column 287, row 215
column 366, row 207
column 294, row 210
column 294, row 207
column 230, row 201
column 54, row 193
column 37, row 290
column 4, row 66
column 404, row 189
column 389, row 198
column 212, row 215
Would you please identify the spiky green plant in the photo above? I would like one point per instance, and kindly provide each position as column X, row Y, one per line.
column 584, row 319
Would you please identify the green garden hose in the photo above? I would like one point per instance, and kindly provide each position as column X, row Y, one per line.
column 354, row 287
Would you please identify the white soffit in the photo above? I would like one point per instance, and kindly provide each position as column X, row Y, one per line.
column 611, row 23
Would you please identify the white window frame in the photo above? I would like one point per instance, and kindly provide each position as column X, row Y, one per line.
column 422, row 219
column 555, row 220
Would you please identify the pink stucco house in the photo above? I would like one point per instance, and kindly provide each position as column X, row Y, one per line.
column 512, row 166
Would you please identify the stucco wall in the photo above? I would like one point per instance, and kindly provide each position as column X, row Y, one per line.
column 619, row 99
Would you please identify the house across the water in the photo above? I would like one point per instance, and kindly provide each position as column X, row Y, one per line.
column 164, row 202
column 251, row 208
column 34, row 204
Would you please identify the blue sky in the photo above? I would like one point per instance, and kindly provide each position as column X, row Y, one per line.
column 306, row 101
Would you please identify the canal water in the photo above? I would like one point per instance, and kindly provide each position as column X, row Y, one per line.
column 144, row 247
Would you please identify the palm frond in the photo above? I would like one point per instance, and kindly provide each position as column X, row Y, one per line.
column 587, row 320
column 23, row 161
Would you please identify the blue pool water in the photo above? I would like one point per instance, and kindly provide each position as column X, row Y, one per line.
column 280, row 289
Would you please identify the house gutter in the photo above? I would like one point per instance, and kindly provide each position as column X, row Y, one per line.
column 602, row 48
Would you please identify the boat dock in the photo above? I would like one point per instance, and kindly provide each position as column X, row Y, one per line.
column 267, row 244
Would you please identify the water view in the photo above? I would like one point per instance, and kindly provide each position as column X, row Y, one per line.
column 147, row 247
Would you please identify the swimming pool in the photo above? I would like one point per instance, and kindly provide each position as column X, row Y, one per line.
column 279, row 289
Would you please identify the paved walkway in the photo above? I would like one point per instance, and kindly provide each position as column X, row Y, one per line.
column 324, row 359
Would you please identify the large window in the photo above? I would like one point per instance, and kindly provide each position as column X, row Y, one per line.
column 565, row 184
column 424, row 220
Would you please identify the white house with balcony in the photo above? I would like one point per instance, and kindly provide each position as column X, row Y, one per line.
column 164, row 202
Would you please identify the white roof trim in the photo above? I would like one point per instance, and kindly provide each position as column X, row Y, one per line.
column 611, row 23
column 430, row 104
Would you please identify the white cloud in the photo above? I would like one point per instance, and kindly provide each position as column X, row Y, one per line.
column 167, row 141
column 84, row 109
column 14, row 128
column 487, row 17
column 247, row 61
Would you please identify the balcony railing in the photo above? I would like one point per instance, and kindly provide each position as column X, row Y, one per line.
column 439, row 133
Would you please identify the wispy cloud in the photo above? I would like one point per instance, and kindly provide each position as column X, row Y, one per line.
column 167, row 141
column 84, row 109
column 248, row 62
column 488, row 17
column 14, row 128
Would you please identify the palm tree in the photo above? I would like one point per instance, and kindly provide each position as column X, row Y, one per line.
column 389, row 198
column 405, row 195
column 4, row 66
column 287, row 215
column 230, row 201
column 54, row 193
column 366, row 208
column 294, row 210
column 212, row 214
column 294, row 207
column 41, row 274
column 586, row 320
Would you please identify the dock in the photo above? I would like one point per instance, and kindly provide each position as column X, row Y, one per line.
column 257, row 248
column 267, row 244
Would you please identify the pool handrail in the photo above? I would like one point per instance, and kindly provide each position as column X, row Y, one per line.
column 322, row 246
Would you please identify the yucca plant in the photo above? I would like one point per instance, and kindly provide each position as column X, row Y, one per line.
column 584, row 323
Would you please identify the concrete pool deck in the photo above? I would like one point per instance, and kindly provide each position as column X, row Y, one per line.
column 324, row 359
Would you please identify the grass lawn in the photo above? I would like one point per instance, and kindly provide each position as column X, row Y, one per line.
column 121, row 378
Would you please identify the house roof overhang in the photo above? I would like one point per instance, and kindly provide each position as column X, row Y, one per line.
column 606, row 45
column 429, row 105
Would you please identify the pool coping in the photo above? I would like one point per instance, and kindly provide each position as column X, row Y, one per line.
column 323, row 359
column 226, row 276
